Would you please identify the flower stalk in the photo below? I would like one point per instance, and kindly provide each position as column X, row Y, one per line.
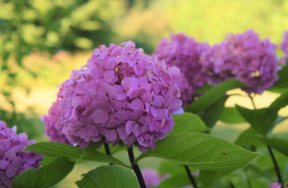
column 275, row 165
column 271, row 154
column 191, row 177
column 107, row 149
column 136, row 168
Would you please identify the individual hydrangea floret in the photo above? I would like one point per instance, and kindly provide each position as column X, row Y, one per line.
column 184, row 52
column 152, row 178
column 275, row 185
column 121, row 94
column 13, row 161
column 244, row 57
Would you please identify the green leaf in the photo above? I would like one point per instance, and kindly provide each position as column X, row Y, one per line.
column 45, row 176
column 258, row 171
column 214, row 176
column 188, row 122
column 247, row 138
column 280, row 144
column 46, row 160
column 231, row 115
column 56, row 149
column 282, row 81
column 92, row 146
column 201, row 151
column 280, row 102
column 213, row 95
column 175, row 181
column 261, row 119
column 202, row 89
column 211, row 114
column 171, row 168
column 108, row 177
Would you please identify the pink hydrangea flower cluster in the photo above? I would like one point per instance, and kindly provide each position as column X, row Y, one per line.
column 152, row 178
column 184, row 52
column 54, row 122
column 12, row 160
column 284, row 47
column 244, row 57
column 121, row 94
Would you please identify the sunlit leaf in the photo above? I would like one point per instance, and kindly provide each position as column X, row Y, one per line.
column 280, row 144
column 45, row 176
column 188, row 122
column 108, row 177
column 213, row 95
column 56, row 149
column 231, row 115
column 211, row 114
column 201, row 151
column 261, row 119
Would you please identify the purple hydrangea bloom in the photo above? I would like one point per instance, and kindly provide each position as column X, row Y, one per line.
column 12, row 160
column 275, row 185
column 121, row 94
column 184, row 52
column 152, row 178
column 244, row 57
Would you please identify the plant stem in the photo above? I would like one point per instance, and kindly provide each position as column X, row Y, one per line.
column 107, row 151
column 254, row 106
column 271, row 154
column 232, row 185
column 190, row 177
column 248, row 180
column 275, row 165
column 136, row 168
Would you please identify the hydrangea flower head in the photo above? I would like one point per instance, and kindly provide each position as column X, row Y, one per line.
column 244, row 57
column 184, row 52
column 12, row 160
column 152, row 178
column 121, row 94
column 275, row 185
column 54, row 122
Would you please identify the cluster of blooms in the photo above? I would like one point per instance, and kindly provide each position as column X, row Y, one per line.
column 12, row 160
column 121, row 94
column 152, row 178
column 184, row 52
column 54, row 122
column 284, row 47
column 243, row 57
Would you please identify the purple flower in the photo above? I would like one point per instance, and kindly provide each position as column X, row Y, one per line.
column 152, row 178
column 12, row 160
column 121, row 94
column 244, row 57
column 184, row 52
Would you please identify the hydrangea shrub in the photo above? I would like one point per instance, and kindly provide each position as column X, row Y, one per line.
column 123, row 97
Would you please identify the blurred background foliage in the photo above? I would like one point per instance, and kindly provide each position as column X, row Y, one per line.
column 42, row 40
